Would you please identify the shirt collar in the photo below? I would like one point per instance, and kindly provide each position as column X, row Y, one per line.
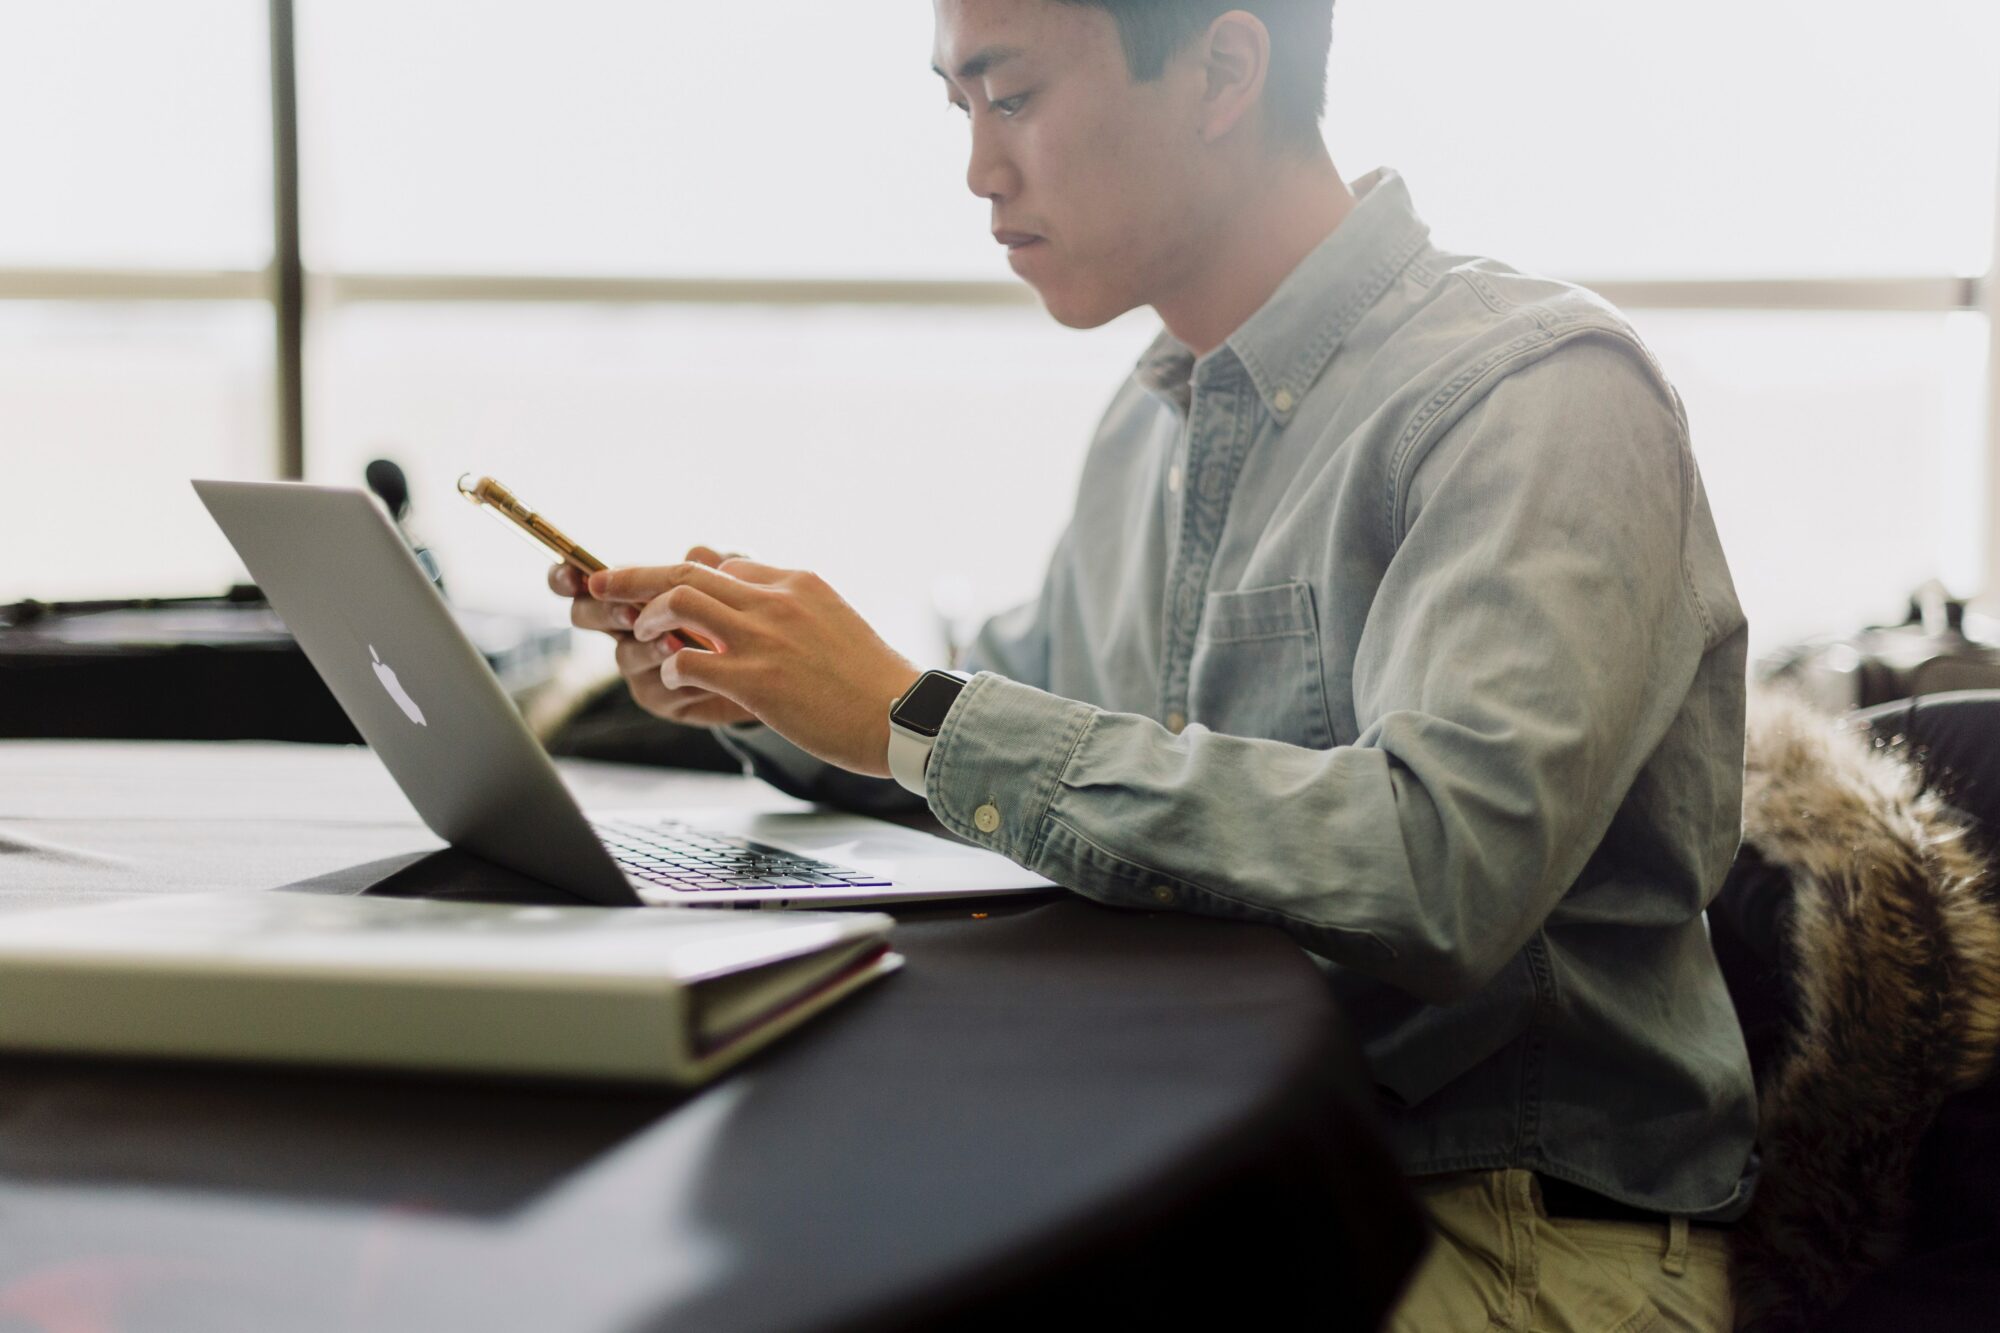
column 1167, row 368
column 1287, row 343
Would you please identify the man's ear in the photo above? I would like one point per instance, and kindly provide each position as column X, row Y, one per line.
column 1235, row 57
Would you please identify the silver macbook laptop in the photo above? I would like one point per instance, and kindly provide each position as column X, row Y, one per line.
column 368, row 618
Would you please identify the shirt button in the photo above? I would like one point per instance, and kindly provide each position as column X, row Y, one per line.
column 1282, row 400
column 986, row 818
column 1174, row 479
column 1163, row 893
column 1175, row 721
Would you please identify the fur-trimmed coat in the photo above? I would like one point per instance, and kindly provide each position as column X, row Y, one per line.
column 1894, row 955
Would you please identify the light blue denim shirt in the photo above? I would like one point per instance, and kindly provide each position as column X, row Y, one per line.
column 1399, row 621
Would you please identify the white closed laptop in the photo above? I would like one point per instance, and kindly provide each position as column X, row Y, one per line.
column 351, row 591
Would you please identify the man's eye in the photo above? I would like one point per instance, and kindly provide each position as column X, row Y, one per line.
column 1010, row 106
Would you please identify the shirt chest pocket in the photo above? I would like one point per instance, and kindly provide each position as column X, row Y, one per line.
column 1256, row 667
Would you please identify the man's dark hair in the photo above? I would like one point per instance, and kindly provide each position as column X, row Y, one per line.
column 1301, row 33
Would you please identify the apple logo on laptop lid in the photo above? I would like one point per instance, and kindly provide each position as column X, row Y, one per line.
column 387, row 676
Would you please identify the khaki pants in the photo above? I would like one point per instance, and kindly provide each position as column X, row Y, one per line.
column 1500, row 1262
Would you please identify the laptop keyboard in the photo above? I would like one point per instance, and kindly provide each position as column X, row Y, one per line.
column 674, row 856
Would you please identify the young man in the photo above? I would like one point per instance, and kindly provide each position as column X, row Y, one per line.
column 1391, row 613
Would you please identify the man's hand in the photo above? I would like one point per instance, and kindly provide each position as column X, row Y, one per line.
column 639, row 663
column 788, row 651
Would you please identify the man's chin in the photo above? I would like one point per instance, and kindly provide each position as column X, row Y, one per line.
column 1081, row 310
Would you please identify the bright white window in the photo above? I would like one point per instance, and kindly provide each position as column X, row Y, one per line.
column 1698, row 138
column 134, row 134
column 801, row 139
column 106, row 410
column 1841, row 453
column 1703, row 137
column 902, row 452
column 789, row 137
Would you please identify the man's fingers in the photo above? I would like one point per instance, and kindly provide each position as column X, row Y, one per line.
column 644, row 583
column 708, row 555
column 564, row 581
column 636, row 658
column 662, row 700
column 750, row 571
column 652, row 694
column 607, row 617
column 688, row 607
column 697, row 670
column 691, row 705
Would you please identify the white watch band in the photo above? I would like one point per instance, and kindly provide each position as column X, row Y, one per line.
column 909, row 756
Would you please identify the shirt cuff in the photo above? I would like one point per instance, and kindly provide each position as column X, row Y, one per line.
column 998, row 761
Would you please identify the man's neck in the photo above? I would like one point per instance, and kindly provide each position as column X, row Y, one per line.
column 1265, row 236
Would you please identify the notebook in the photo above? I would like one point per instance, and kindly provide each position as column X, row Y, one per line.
column 414, row 984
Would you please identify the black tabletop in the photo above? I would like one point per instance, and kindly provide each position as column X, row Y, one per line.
column 1053, row 1105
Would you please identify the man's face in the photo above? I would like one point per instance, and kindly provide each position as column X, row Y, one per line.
column 1096, row 181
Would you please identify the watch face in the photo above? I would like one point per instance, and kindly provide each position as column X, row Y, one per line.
column 923, row 708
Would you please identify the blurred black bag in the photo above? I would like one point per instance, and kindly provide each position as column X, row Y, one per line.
column 205, row 668
column 1937, row 648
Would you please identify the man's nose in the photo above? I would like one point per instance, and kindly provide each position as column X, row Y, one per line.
column 989, row 174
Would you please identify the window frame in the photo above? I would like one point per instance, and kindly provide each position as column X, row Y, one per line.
column 292, row 292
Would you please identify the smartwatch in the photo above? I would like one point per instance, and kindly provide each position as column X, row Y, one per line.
column 914, row 723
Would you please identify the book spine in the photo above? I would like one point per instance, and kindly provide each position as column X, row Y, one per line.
column 635, row 1032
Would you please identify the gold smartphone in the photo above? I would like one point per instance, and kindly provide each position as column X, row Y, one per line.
column 487, row 492
column 497, row 499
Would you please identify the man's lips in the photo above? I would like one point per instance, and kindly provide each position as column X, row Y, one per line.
column 1014, row 240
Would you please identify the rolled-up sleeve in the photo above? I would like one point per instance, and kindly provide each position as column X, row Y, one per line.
column 1533, row 637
